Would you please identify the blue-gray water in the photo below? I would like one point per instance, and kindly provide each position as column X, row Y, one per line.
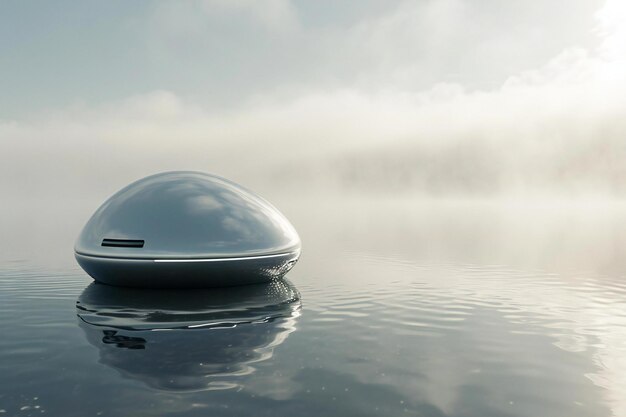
column 397, row 307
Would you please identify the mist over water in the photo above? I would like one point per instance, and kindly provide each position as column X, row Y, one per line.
column 552, row 126
column 454, row 170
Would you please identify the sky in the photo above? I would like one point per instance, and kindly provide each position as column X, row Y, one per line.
column 431, row 97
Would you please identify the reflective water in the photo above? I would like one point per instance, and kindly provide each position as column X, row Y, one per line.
column 396, row 308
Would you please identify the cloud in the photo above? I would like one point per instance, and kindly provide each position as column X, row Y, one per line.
column 223, row 52
column 555, row 129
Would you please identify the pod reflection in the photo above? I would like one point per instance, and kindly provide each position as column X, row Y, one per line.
column 188, row 340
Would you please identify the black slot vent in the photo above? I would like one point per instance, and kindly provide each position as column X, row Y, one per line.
column 123, row 243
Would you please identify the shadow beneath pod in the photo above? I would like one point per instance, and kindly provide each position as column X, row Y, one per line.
column 188, row 340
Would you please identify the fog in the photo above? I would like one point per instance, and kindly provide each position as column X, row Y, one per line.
column 534, row 106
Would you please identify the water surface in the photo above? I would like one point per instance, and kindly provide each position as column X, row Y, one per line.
column 396, row 308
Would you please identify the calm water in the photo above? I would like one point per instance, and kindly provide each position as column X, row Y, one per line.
column 396, row 308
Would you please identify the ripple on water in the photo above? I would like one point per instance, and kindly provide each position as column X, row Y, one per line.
column 436, row 334
column 490, row 317
column 42, row 284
